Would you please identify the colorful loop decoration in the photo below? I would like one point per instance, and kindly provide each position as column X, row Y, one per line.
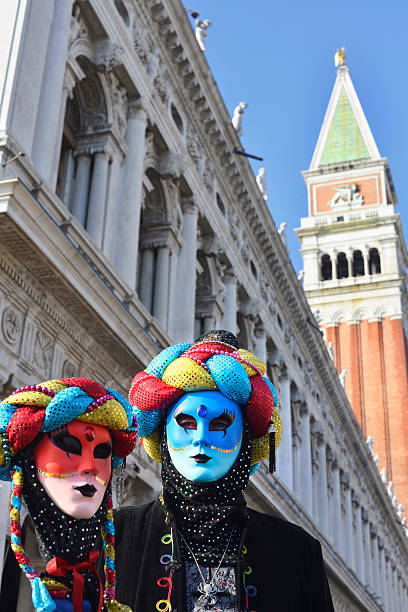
column 164, row 605
column 249, row 589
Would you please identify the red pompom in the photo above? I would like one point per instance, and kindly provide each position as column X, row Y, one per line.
column 92, row 388
column 24, row 426
column 123, row 442
column 259, row 408
column 204, row 350
column 148, row 392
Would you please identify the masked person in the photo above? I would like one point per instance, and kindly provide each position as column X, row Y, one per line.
column 60, row 441
column 206, row 412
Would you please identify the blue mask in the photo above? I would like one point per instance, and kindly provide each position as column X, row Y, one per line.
column 204, row 435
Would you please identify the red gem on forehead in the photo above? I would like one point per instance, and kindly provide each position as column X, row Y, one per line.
column 90, row 433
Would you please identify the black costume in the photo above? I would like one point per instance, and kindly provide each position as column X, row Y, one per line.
column 287, row 564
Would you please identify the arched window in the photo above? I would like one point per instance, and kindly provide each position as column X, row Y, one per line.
column 342, row 266
column 358, row 263
column 374, row 262
column 326, row 271
column 154, row 251
column 120, row 7
column 176, row 118
column 220, row 204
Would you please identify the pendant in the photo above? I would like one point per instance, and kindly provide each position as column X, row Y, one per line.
column 208, row 594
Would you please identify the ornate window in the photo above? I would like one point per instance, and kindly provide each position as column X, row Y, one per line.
column 176, row 118
column 220, row 204
column 326, row 272
column 120, row 7
column 342, row 266
column 358, row 264
column 374, row 262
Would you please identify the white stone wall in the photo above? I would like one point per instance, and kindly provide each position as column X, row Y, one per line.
column 129, row 224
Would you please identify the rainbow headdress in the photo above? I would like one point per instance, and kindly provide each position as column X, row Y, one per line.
column 207, row 365
column 37, row 409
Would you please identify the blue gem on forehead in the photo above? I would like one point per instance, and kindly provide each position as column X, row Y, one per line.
column 202, row 411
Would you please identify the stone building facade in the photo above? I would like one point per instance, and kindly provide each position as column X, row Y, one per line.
column 127, row 223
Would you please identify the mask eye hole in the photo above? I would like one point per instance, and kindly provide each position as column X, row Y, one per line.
column 66, row 442
column 186, row 421
column 103, row 451
column 222, row 422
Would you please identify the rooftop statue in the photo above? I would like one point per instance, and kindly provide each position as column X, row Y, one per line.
column 201, row 32
column 261, row 182
column 340, row 57
column 237, row 117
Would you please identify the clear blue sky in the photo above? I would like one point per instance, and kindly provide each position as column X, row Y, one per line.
column 278, row 57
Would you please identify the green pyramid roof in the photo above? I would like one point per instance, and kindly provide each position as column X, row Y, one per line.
column 344, row 140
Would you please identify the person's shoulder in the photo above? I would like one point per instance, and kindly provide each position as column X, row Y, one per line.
column 278, row 528
column 128, row 516
column 140, row 510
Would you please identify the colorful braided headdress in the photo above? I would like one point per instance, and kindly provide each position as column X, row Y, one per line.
column 207, row 365
column 37, row 409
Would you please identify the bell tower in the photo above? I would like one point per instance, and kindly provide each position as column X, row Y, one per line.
column 355, row 261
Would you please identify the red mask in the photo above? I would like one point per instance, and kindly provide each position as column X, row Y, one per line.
column 74, row 466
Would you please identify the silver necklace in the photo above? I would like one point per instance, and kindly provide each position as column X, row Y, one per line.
column 207, row 589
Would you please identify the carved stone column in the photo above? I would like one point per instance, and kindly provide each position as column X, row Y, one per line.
column 260, row 343
column 365, row 257
column 348, row 521
column 184, row 312
column 68, row 178
column 174, row 298
column 400, row 590
column 48, row 128
column 229, row 318
column 349, row 257
column 97, row 197
column 333, row 257
column 383, row 575
column 109, row 237
column 306, row 491
column 129, row 207
column 376, row 563
column 146, row 276
column 296, row 444
column 285, row 450
column 161, row 286
column 391, row 574
column 336, row 511
column 368, row 559
column 358, row 541
column 320, row 482
column 81, row 187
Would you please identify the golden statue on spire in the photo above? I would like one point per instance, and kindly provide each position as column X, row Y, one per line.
column 340, row 57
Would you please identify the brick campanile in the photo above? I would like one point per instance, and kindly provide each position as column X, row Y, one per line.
column 355, row 258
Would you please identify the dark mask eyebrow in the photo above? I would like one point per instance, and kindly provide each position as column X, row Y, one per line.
column 227, row 414
column 63, row 439
column 180, row 416
column 228, row 417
